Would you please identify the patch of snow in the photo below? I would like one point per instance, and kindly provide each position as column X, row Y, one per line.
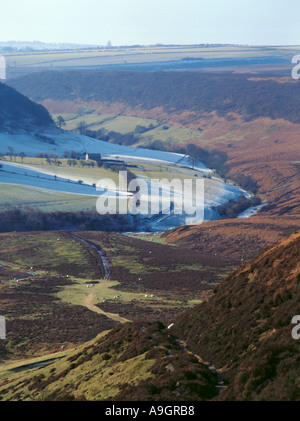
column 251, row 211
column 66, row 141
column 12, row 173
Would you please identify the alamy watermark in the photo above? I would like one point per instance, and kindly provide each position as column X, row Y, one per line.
column 2, row 328
column 296, row 69
column 151, row 197
column 296, row 329
column 2, row 68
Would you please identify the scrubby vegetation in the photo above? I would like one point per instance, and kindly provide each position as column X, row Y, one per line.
column 246, row 327
column 126, row 139
column 31, row 219
column 245, row 181
column 174, row 91
column 231, row 209
column 149, row 266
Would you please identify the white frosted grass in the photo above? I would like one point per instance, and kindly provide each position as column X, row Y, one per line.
column 216, row 192
column 30, row 145
column 16, row 174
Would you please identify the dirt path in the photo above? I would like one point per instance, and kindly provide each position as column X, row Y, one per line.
column 89, row 300
column 102, row 257
column 89, row 303
column 98, row 251
column 221, row 386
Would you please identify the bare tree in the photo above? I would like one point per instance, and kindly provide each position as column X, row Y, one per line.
column 22, row 155
column 81, row 127
column 60, row 121
column 10, row 152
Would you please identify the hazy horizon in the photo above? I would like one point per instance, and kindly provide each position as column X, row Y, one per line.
column 24, row 41
column 136, row 22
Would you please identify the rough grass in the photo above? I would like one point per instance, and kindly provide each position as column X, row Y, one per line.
column 138, row 361
column 51, row 252
column 105, row 289
column 43, row 199
column 97, row 378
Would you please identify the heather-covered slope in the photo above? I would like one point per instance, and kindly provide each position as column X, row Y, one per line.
column 174, row 91
column 19, row 112
column 245, row 328
column 233, row 240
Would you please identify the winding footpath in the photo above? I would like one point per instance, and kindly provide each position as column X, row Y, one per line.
column 221, row 386
column 98, row 251
column 89, row 303
column 89, row 300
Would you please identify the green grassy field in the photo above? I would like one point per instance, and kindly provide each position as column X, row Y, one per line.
column 95, row 121
column 128, row 124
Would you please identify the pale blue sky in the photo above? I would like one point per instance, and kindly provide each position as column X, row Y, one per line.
column 128, row 22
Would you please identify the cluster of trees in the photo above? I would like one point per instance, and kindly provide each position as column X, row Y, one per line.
column 231, row 209
column 47, row 155
column 32, row 219
column 72, row 161
column 51, row 158
column 212, row 158
column 70, row 154
column 54, row 161
column 127, row 139
column 13, row 155
column 82, row 162
column 245, row 181
column 88, row 163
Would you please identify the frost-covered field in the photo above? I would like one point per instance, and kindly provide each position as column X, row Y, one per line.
column 66, row 141
column 12, row 173
column 211, row 192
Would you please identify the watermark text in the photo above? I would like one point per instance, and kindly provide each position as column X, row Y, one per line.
column 2, row 328
column 296, row 329
column 151, row 197
column 2, row 68
column 296, row 69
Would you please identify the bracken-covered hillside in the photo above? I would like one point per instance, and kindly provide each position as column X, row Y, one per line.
column 173, row 91
column 245, row 328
